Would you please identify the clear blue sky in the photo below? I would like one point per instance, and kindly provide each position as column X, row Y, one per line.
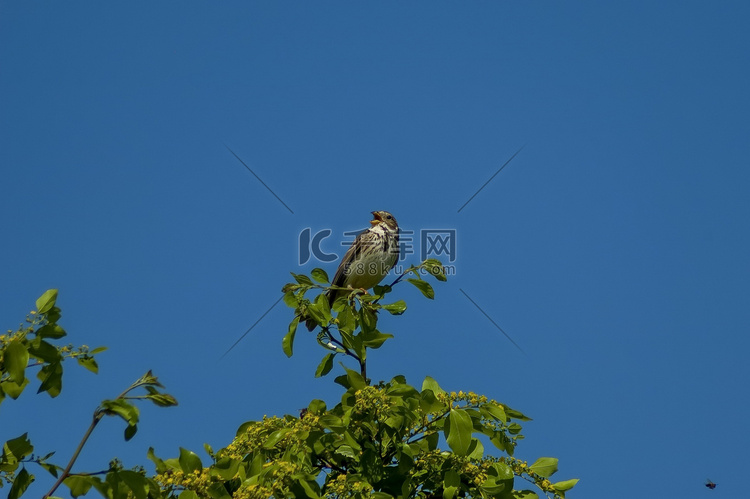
column 613, row 249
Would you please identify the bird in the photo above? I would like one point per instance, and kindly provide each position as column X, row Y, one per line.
column 368, row 260
column 711, row 485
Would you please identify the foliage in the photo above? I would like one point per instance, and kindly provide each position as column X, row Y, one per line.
column 381, row 440
column 32, row 346
column 384, row 440
column 356, row 319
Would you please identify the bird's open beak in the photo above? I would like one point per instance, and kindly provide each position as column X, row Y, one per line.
column 376, row 218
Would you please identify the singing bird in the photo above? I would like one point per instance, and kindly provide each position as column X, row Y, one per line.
column 369, row 259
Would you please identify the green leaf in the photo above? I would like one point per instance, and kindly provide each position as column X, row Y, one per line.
column 302, row 279
column 320, row 275
column 149, row 379
column 346, row 451
column 424, row 287
column 226, row 468
column 189, row 461
column 492, row 488
column 275, row 437
column 20, row 484
column 188, row 494
column 53, row 315
column 89, row 363
column 50, row 331
column 122, row 408
column 351, row 441
column 495, row 411
column 163, row 399
column 315, row 310
column 52, row 469
column 544, row 466
column 44, row 351
column 476, row 449
column 325, row 365
column 51, row 377
column 316, row 407
column 159, row 398
column 499, row 481
column 339, row 303
column 514, row 414
column 307, row 488
column 217, row 490
column 16, row 358
column 290, row 299
column 322, row 305
column 342, row 380
column 435, row 268
column 367, row 319
column 45, row 302
column 430, row 384
column 402, row 390
column 13, row 390
column 356, row 381
column 374, row 339
column 432, row 441
column 525, row 494
column 354, row 343
column 451, row 484
column 565, row 484
column 458, row 431
column 396, row 308
column 430, row 403
column 18, row 447
column 130, row 431
column 498, row 489
column 347, row 320
column 287, row 344
column 79, row 485
column 136, row 482
column 158, row 462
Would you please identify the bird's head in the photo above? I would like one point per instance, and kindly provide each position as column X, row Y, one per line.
column 383, row 217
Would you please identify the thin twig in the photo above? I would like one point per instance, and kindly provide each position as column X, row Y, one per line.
column 98, row 415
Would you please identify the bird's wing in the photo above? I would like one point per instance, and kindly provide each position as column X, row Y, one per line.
column 339, row 278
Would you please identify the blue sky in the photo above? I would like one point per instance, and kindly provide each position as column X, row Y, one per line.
column 613, row 248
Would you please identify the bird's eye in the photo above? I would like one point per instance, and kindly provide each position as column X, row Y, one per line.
column 389, row 217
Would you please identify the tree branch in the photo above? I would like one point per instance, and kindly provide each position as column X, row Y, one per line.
column 98, row 415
